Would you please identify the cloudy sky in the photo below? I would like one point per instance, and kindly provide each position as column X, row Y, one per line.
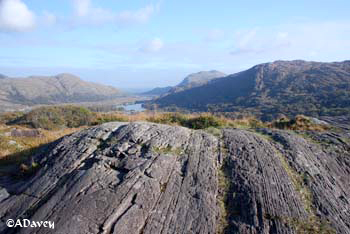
column 142, row 44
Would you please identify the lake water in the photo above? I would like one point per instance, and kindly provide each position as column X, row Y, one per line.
column 134, row 107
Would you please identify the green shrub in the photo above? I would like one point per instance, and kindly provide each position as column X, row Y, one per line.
column 189, row 121
column 105, row 118
column 300, row 122
column 56, row 117
column 203, row 121
column 169, row 118
column 9, row 117
column 214, row 131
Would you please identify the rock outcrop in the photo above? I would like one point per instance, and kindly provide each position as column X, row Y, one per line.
column 151, row 178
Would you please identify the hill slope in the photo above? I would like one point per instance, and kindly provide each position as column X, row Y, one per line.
column 288, row 87
column 196, row 80
column 200, row 78
column 158, row 91
column 190, row 81
column 149, row 178
column 62, row 88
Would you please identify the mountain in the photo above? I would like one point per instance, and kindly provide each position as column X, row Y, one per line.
column 196, row 80
column 149, row 178
column 2, row 76
column 158, row 91
column 200, row 78
column 62, row 88
column 190, row 81
column 287, row 87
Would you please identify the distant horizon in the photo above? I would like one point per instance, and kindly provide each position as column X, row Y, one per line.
column 156, row 43
column 140, row 89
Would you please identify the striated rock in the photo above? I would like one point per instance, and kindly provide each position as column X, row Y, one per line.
column 151, row 178
column 3, row 194
column 342, row 122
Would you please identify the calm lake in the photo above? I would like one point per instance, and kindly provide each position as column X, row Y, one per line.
column 134, row 107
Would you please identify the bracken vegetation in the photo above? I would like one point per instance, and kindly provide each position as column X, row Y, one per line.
column 60, row 117
column 53, row 122
column 56, row 117
column 16, row 148
column 300, row 122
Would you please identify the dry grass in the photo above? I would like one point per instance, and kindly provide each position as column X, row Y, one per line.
column 21, row 147
column 103, row 117
column 17, row 148
column 300, row 122
column 179, row 119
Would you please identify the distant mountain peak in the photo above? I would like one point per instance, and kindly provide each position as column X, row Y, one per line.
column 201, row 77
column 2, row 76
column 61, row 88
column 66, row 76
column 158, row 91
column 296, row 61
column 286, row 87
column 190, row 81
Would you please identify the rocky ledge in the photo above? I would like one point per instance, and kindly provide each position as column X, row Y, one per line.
column 150, row 178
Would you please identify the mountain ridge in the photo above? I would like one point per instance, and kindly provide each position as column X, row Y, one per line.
column 61, row 88
column 190, row 81
column 196, row 79
column 200, row 77
column 158, row 90
column 286, row 87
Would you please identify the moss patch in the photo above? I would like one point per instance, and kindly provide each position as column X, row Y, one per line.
column 167, row 150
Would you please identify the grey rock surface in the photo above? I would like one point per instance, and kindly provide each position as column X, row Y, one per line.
column 342, row 122
column 3, row 194
column 150, row 178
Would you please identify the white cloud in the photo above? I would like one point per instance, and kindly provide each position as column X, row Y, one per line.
column 15, row 16
column 152, row 46
column 82, row 7
column 85, row 12
column 320, row 41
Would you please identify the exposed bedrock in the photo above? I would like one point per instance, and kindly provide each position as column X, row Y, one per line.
column 150, row 178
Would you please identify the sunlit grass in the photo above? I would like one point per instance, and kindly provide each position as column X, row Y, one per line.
column 15, row 149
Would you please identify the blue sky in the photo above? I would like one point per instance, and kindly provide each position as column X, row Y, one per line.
column 143, row 44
